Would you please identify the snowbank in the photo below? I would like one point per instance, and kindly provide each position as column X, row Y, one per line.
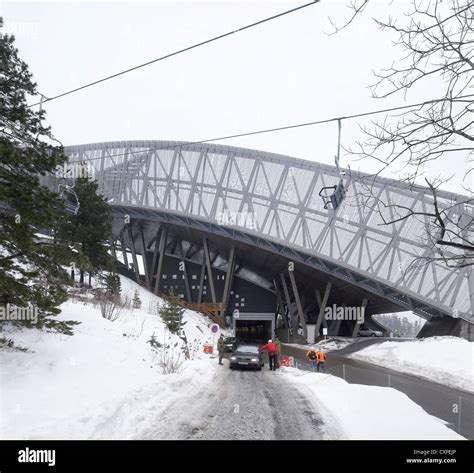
column 446, row 360
column 357, row 412
column 328, row 345
column 99, row 382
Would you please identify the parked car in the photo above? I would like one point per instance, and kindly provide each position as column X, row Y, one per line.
column 246, row 356
column 230, row 343
column 368, row 332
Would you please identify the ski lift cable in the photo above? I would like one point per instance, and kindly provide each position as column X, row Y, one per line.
column 286, row 127
column 175, row 53
column 43, row 97
column 338, row 145
column 338, row 192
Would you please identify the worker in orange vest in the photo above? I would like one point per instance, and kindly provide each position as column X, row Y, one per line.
column 321, row 360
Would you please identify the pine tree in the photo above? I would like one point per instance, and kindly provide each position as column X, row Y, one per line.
column 31, row 270
column 154, row 342
column 172, row 313
column 89, row 230
column 113, row 285
column 136, row 301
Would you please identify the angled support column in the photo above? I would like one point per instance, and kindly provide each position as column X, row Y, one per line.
column 161, row 250
column 321, row 309
column 175, row 246
column 155, row 253
column 357, row 325
column 136, row 269
column 318, row 298
column 124, row 254
column 201, row 279
column 320, row 302
column 298, row 303
column 192, row 250
column 112, row 247
column 280, row 302
column 229, row 278
column 209, row 270
column 185, row 271
column 336, row 325
column 287, row 298
column 145, row 262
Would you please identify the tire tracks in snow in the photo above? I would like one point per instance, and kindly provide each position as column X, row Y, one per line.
column 240, row 405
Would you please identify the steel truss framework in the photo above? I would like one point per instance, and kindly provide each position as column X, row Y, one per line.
column 156, row 240
column 271, row 201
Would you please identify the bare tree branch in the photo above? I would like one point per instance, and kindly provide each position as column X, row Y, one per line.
column 357, row 8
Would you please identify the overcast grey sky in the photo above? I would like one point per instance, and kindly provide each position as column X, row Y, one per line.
column 283, row 72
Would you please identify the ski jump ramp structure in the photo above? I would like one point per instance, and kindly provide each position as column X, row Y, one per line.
column 231, row 229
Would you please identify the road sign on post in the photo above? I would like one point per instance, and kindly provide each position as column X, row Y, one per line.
column 214, row 330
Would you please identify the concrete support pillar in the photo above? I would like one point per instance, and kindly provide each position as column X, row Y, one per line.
column 335, row 325
column 185, row 272
column 319, row 299
column 210, row 279
column 287, row 297
column 201, row 279
column 145, row 261
column 280, row 302
column 136, row 269
column 112, row 247
column 320, row 303
column 322, row 307
column 161, row 250
column 229, row 278
column 356, row 329
column 155, row 253
column 124, row 253
column 298, row 303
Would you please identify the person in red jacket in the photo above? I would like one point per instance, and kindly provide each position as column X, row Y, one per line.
column 272, row 352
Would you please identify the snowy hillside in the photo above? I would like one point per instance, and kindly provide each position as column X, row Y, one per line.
column 446, row 360
column 100, row 382
column 105, row 382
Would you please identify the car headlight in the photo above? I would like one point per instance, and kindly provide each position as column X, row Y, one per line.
column 233, row 358
column 254, row 360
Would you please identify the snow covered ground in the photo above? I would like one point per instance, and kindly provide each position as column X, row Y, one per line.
column 446, row 360
column 99, row 383
column 104, row 383
column 357, row 412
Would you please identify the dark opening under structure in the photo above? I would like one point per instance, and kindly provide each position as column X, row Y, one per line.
column 256, row 327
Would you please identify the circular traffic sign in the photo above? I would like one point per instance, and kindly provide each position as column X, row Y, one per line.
column 214, row 328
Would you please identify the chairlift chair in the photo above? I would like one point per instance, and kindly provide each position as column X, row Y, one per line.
column 71, row 201
column 334, row 195
column 334, row 199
